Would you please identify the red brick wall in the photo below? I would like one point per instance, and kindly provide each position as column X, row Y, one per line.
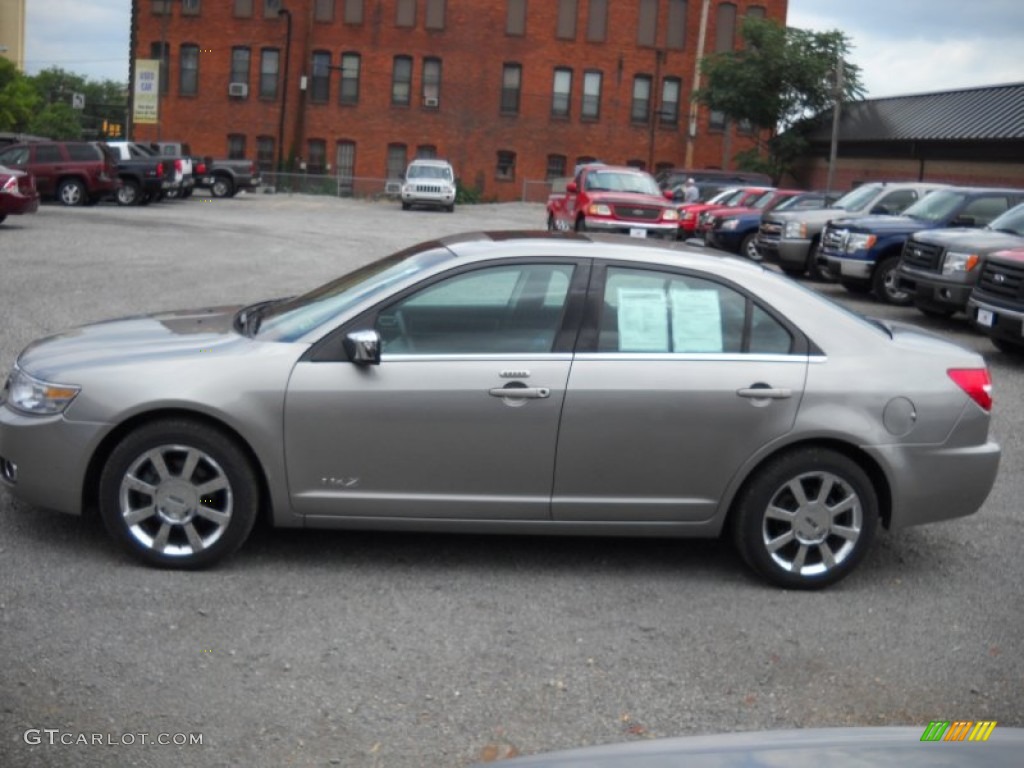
column 854, row 171
column 467, row 128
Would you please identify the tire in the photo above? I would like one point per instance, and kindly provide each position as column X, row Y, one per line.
column 884, row 285
column 784, row 524
column 748, row 248
column 818, row 272
column 450, row 208
column 71, row 192
column 406, row 206
column 222, row 187
column 158, row 515
column 129, row 193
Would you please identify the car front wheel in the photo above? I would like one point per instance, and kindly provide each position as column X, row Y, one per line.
column 178, row 494
column 885, row 284
column 129, row 193
column 806, row 518
column 222, row 187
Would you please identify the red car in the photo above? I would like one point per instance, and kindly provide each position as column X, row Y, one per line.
column 18, row 193
column 690, row 213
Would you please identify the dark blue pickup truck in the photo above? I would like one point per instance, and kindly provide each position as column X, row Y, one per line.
column 864, row 253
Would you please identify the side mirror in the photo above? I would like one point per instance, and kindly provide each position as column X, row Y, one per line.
column 571, row 188
column 363, row 347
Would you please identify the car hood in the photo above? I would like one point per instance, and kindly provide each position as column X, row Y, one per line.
column 132, row 339
column 883, row 225
column 629, row 198
column 959, row 238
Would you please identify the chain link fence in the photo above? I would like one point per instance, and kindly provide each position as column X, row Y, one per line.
column 331, row 185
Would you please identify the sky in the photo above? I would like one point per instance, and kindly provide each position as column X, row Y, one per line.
column 901, row 46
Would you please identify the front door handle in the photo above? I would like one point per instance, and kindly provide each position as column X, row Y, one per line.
column 521, row 393
column 764, row 392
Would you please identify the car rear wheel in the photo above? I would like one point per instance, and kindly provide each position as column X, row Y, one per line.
column 806, row 518
column 885, row 283
column 222, row 187
column 71, row 192
column 178, row 494
column 129, row 193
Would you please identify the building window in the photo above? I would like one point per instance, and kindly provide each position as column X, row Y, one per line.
column 353, row 11
column 583, row 160
column 511, row 84
column 745, row 126
column 566, row 29
column 236, row 146
column 556, row 167
column 155, row 50
column 401, row 80
column 725, row 28
column 591, row 106
column 270, row 59
column 271, row 8
column 635, row 163
column 323, row 10
column 349, row 93
column 431, row 83
column 515, row 22
column 316, row 156
column 188, row 70
column 426, row 152
column 597, row 21
column 396, row 161
column 160, row 7
column 641, row 106
column 345, row 165
column 669, row 112
column 243, row 8
column 265, row 153
column 240, row 68
column 664, row 165
column 647, row 24
column 405, row 13
column 675, row 34
column 435, row 14
column 506, row 168
column 716, row 120
column 756, row 12
column 320, row 84
column 189, row 7
column 561, row 92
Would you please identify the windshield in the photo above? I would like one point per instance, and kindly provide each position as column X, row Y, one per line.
column 723, row 196
column 429, row 172
column 763, row 200
column 288, row 320
column 856, row 199
column 1011, row 222
column 936, row 207
column 621, row 181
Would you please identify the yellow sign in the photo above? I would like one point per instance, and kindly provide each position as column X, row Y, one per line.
column 147, row 91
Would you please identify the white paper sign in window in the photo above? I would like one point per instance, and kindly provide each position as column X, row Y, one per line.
column 643, row 320
column 696, row 321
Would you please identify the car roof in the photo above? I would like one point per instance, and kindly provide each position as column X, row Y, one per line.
column 429, row 161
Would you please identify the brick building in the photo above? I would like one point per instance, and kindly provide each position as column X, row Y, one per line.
column 507, row 90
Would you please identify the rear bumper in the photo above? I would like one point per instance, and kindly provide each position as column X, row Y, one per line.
column 18, row 204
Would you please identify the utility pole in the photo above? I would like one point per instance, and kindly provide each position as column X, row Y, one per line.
column 836, row 112
column 691, row 133
column 284, row 88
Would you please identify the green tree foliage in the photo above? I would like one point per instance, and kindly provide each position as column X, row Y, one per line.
column 104, row 100
column 18, row 98
column 779, row 77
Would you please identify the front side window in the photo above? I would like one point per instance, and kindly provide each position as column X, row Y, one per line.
column 349, row 93
column 188, row 82
column 561, row 92
column 591, row 106
column 270, row 59
column 511, row 83
column 641, row 104
column 646, row 311
column 510, row 309
column 431, row 83
column 401, row 80
column 320, row 86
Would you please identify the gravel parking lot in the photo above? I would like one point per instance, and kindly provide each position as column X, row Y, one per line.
column 395, row 650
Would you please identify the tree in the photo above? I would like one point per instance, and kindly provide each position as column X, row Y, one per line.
column 18, row 98
column 779, row 78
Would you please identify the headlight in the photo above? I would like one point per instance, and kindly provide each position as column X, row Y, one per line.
column 858, row 242
column 729, row 224
column 38, row 398
column 670, row 215
column 958, row 263
column 795, row 230
column 599, row 209
column 688, row 216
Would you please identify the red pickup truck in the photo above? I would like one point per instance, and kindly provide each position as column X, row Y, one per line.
column 618, row 199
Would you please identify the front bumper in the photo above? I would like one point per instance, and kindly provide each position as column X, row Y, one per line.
column 999, row 323
column 845, row 266
column 930, row 290
column 421, row 197
column 791, row 253
column 634, row 228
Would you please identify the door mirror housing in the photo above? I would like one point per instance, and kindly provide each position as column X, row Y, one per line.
column 363, row 347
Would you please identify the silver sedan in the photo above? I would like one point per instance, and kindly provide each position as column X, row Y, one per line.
column 510, row 383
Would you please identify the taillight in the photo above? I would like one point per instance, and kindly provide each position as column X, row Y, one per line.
column 200, row 168
column 976, row 383
column 10, row 186
column 159, row 170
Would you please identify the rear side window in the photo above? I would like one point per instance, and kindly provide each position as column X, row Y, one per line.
column 83, row 152
column 16, row 156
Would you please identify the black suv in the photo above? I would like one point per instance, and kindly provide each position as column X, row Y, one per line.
column 996, row 306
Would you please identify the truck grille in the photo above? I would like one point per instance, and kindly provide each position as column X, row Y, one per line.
column 833, row 239
column 1003, row 280
column 637, row 212
column 922, row 255
column 430, row 189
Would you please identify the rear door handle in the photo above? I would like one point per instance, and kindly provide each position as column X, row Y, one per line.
column 764, row 392
column 522, row 393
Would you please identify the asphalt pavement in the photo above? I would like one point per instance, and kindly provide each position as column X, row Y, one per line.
column 400, row 650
